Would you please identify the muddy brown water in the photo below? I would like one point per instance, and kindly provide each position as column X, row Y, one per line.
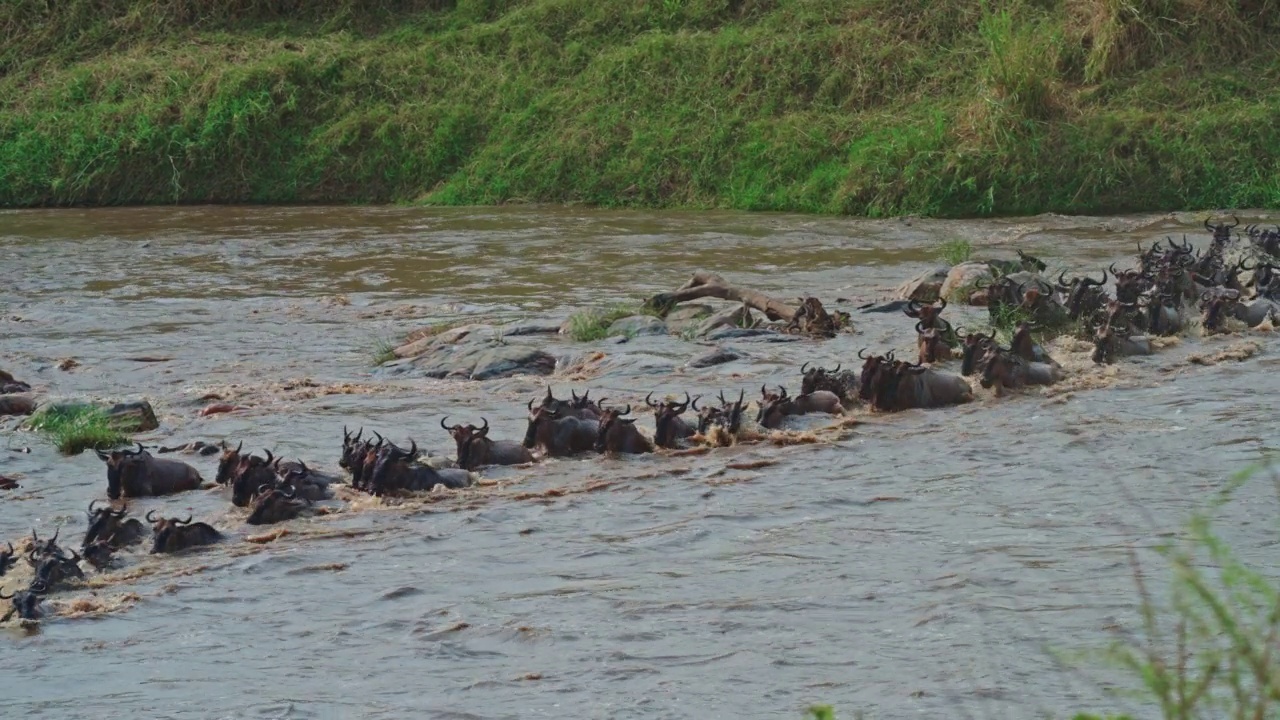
column 928, row 564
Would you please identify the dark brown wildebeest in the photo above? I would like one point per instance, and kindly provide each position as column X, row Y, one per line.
column 928, row 315
column 106, row 523
column 7, row 559
column 26, row 603
column 774, row 407
column 728, row 416
column 1108, row 345
column 559, row 435
column 398, row 469
column 306, row 483
column 844, row 383
column 251, row 473
column 173, row 534
column 137, row 474
column 669, row 429
column 476, row 449
column 932, row 347
column 1005, row 369
column 618, row 434
column 897, row 385
column 274, row 505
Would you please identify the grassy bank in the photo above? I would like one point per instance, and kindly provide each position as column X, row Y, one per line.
column 945, row 107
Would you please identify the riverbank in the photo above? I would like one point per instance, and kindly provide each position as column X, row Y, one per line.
column 863, row 107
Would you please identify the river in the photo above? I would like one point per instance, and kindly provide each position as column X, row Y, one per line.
column 925, row 564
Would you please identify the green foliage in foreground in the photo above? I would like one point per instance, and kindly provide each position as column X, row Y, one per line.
column 879, row 107
column 74, row 429
column 1212, row 648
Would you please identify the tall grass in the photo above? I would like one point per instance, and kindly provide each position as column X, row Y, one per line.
column 593, row 324
column 76, row 428
column 835, row 106
column 1212, row 647
column 954, row 252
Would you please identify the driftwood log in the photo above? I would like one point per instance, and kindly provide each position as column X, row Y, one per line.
column 805, row 315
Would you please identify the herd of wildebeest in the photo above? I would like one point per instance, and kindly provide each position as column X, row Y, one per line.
column 1156, row 298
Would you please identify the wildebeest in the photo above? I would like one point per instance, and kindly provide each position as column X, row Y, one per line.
column 776, row 406
column 896, row 385
column 305, row 482
column 108, row 524
column 274, row 505
column 173, row 534
column 1084, row 296
column 668, row 427
column 1005, row 369
column 932, row 347
column 844, row 383
column 44, row 548
column 26, row 603
column 251, row 473
column 228, row 463
column 1217, row 308
column 7, row 559
column 476, row 449
column 98, row 553
column 1108, row 345
column 728, row 416
column 137, row 474
column 1025, row 347
column 557, row 434
column 582, row 408
column 619, row 435
column 928, row 315
column 398, row 469
column 8, row 385
column 1163, row 317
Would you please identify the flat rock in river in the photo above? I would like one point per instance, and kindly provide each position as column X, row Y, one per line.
column 477, row 361
column 924, row 287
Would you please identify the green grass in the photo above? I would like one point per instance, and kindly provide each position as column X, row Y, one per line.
column 954, row 252
column 829, row 106
column 75, row 429
column 1209, row 649
column 593, row 324
column 384, row 351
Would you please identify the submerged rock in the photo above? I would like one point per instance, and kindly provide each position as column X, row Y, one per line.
column 924, row 287
column 762, row 334
column 136, row 416
column 716, row 356
column 507, row 360
column 474, row 360
column 736, row 318
column 638, row 325
column 17, row 405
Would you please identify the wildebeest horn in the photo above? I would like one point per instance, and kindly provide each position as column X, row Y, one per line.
column 803, row 369
column 380, row 439
column 101, row 455
column 889, row 356
column 91, row 504
column 183, row 522
column 694, row 403
column 600, row 402
column 124, row 510
column 149, row 514
column 1237, row 221
column 270, row 457
column 139, row 450
column 358, row 434
column 920, row 326
column 1062, row 276
column 530, row 406
column 833, row 372
column 263, row 485
column 764, row 392
column 648, row 400
column 6, row 597
column 782, row 392
column 627, row 411
column 445, row 420
column 1207, row 226
column 239, row 446
column 942, row 304
column 860, row 355
column 685, row 406
column 549, row 395
column 413, row 449
column 1113, row 269
column 723, row 401
column 293, row 492
column 574, row 394
column 55, row 534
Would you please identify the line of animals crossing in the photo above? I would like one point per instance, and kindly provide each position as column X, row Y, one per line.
column 1158, row 297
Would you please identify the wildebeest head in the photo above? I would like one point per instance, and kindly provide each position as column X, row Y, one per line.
column 252, row 473
column 998, row 366
column 1104, row 344
column 708, row 415
column 7, row 559
column 470, row 447
column 549, row 402
column 926, row 314
column 584, row 407
column 351, row 446
column 1216, row 306
column 163, row 529
column 173, row 534
column 667, row 425
column 975, row 347
column 462, row 435
column 811, row 377
column 98, row 553
column 1221, row 231
column 228, row 463
column 40, row 549
column 618, row 433
column 119, row 464
column 537, row 416
column 274, row 505
column 773, row 407
column 932, row 345
column 26, row 603
column 870, row 369
column 103, row 522
column 1084, row 294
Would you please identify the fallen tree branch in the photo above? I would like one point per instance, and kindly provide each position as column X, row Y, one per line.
column 805, row 316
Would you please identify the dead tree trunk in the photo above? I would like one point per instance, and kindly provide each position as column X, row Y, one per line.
column 707, row 284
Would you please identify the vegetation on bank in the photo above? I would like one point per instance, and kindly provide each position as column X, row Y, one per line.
column 943, row 107
column 76, row 428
